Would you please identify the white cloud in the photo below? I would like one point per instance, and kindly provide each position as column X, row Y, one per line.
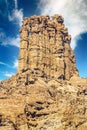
column 74, row 13
column 7, row 74
column 16, row 4
column 13, row 41
column 2, row 63
column 6, row 3
column 16, row 16
column 15, row 64
column 2, row 35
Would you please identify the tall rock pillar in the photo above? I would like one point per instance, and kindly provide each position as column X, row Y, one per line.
column 45, row 45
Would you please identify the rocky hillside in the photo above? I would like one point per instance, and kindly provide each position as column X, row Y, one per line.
column 47, row 92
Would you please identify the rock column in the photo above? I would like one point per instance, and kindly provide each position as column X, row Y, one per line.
column 45, row 45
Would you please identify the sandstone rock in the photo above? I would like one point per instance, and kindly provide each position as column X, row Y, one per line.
column 46, row 46
column 47, row 92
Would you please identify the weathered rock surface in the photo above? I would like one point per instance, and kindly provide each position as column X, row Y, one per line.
column 45, row 44
column 46, row 93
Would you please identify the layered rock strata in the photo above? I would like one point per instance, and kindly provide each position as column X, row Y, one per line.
column 45, row 45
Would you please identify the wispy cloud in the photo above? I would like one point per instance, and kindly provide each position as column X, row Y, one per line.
column 7, row 74
column 13, row 41
column 15, row 63
column 16, row 4
column 74, row 13
column 6, row 4
column 16, row 16
column 2, row 35
column 2, row 63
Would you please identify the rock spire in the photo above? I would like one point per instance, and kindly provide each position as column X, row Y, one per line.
column 45, row 45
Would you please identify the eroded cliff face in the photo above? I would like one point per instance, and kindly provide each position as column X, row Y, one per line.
column 46, row 93
column 45, row 45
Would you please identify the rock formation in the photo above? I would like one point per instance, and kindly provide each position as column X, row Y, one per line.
column 47, row 92
column 45, row 45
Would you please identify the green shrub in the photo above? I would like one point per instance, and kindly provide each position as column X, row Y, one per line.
column 60, row 91
column 53, row 86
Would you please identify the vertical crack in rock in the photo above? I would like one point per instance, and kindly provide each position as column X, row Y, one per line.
column 45, row 44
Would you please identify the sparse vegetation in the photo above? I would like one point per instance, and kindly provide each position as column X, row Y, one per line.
column 60, row 91
column 53, row 86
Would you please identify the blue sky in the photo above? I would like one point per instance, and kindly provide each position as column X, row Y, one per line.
column 11, row 15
